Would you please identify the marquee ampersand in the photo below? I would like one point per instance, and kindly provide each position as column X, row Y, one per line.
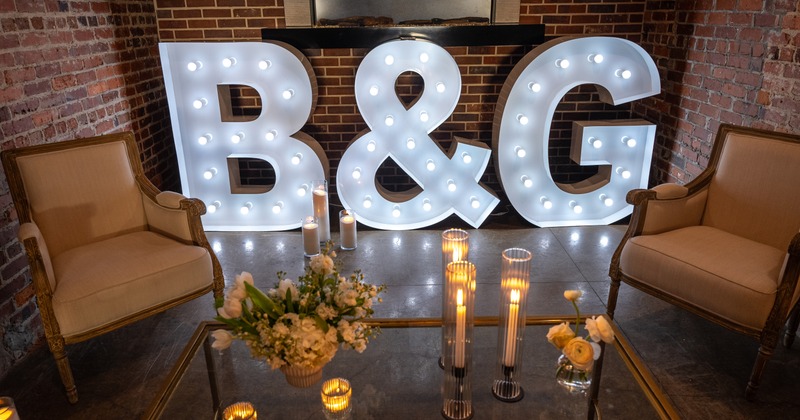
column 209, row 140
column 622, row 72
column 447, row 182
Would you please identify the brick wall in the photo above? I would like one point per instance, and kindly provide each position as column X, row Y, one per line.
column 72, row 69
column 726, row 61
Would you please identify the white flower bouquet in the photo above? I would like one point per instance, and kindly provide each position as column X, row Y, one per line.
column 299, row 323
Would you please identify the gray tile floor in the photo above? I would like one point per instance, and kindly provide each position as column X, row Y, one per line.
column 703, row 368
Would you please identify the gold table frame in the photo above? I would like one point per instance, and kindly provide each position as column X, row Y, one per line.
column 652, row 391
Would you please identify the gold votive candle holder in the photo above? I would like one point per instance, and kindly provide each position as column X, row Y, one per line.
column 336, row 394
column 242, row 410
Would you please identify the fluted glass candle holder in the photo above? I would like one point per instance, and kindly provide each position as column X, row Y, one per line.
column 457, row 356
column 319, row 194
column 240, row 411
column 455, row 247
column 515, row 273
column 336, row 394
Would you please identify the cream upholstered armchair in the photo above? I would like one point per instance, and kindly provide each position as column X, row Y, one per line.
column 726, row 245
column 105, row 247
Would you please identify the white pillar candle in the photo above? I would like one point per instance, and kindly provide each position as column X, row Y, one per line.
column 511, row 330
column 320, row 201
column 310, row 236
column 347, row 229
column 461, row 329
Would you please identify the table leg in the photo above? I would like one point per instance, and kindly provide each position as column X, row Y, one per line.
column 212, row 373
column 594, row 389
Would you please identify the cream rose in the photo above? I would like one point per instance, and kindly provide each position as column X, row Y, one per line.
column 322, row 264
column 222, row 339
column 572, row 295
column 232, row 308
column 580, row 352
column 599, row 329
column 559, row 335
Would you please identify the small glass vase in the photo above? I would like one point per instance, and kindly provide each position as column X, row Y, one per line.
column 571, row 378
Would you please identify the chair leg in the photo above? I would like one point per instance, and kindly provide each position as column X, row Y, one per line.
column 613, row 291
column 56, row 345
column 791, row 327
column 764, row 354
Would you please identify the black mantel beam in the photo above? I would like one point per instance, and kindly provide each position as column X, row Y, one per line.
column 372, row 36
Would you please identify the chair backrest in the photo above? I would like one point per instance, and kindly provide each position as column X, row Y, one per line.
column 755, row 189
column 79, row 191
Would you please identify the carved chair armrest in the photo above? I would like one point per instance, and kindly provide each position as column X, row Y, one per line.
column 44, row 279
column 174, row 215
column 665, row 207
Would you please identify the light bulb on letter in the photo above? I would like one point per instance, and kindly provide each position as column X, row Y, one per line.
column 451, row 185
column 546, row 203
column 246, row 208
column 596, row 58
column 576, row 207
column 287, row 94
column 236, row 138
column 213, row 207
column 423, row 116
column 474, row 202
column 271, row 134
column 396, row 211
column 411, row 144
column 534, row 87
column 526, row 181
column 624, row 173
column 204, row 139
column 297, row 158
column 302, row 190
column 440, row 87
column 424, row 57
column 608, row 201
column 356, row 173
column 199, row 103
column 522, row 119
column 562, row 63
column 389, row 60
column 430, row 165
column 629, row 141
column 466, row 157
column 371, row 146
column 367, row 203
column 519, row 151
column 264, row 64
column 595, row 142
column 426, row 205
column 625, row 74
column 194, row 65
column 277, row 207
column 209, row 173
column 228, row 62
column 374, row 90
column 389, row 120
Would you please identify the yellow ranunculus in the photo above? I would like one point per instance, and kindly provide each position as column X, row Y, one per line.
column 559, row 335
column 580, row 352
column 572, row 295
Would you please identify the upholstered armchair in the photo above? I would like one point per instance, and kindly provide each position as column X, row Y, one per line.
column 105, row 247
column 726, row 245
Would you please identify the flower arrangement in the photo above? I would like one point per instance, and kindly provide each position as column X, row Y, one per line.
column 580, row 352
column 299, row 323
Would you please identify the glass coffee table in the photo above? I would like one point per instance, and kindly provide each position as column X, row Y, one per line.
column 398, row 377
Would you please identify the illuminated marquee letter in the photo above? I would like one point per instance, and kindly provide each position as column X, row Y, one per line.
column 447, row 183
column 209, row 140
column 623, row 72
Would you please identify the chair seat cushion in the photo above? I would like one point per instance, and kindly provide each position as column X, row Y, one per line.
column 728, row 275
column 102, row 282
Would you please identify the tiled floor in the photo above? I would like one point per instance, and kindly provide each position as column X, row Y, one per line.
column 702, row 367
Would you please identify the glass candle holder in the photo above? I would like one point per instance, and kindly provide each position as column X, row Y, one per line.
column 347, row 229
column 310, row 228
column 240, row 411
column 319, row 194
column 7, row 409
column 455, row 247
column 514, row 282
column 457, row 355
column 336, row 394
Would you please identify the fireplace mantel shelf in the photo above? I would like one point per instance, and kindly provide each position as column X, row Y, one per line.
column 372, row 36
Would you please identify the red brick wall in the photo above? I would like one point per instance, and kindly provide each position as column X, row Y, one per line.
column 73, row 69
column 728, row 61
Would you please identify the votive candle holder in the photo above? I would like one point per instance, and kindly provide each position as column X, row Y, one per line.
column 455, row 247
column 319, row 198
column 347, row 230
column 310, row 228
column 336, row 394
column 240, row 411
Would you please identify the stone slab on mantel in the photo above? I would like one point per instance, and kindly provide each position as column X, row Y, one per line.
column 372, row 36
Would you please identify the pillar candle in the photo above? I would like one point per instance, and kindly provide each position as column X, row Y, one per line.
column 310, row 236
column 347, row 229
column 511, row 335
column 320, row 201
column 461, row 329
